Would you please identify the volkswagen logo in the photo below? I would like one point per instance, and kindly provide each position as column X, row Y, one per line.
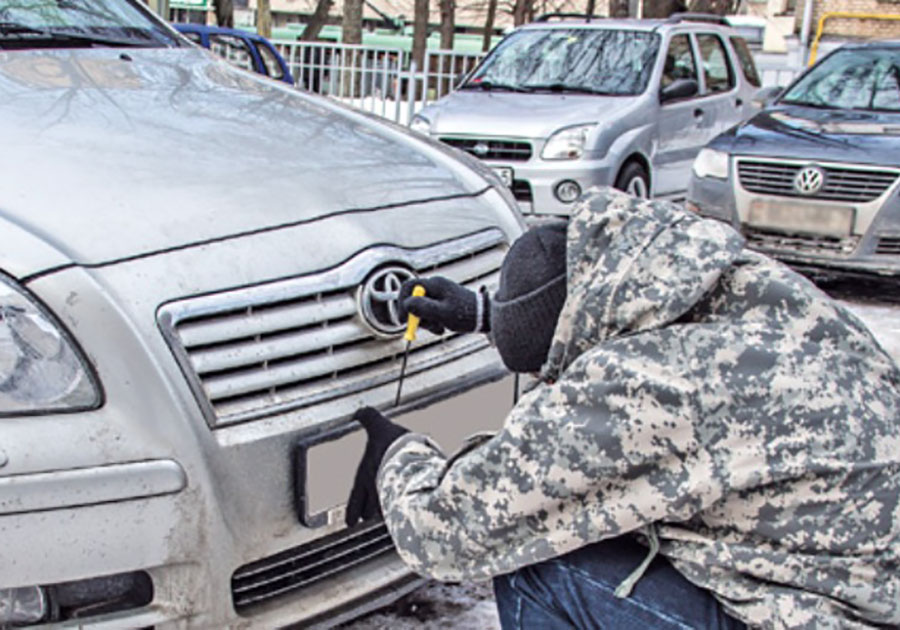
column 481, row 149
column 378, row 300
column 809, row 180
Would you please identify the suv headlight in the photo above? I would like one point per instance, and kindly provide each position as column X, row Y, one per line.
column 420, row 124
column 711, row 163
column 41, row 370
column 567, row 143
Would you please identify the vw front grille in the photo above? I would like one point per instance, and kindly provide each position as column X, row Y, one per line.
column 272, row 348
column 294, row 569
column 888, row 245
column 855, row 185
column 490, row 149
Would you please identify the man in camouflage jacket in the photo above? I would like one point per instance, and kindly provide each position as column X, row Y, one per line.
column 695, row 393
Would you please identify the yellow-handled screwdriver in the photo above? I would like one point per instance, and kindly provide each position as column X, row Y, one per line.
column 412, row 325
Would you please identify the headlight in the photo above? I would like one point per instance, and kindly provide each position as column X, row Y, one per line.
column 567, row 144
column 420, row 124
column 711, row 163
column 40, row 368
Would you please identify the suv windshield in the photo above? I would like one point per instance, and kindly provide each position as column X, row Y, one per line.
column 45, row 23
column 590, row 60
column 867, row 79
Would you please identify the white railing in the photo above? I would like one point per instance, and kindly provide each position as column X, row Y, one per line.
column 380, row 80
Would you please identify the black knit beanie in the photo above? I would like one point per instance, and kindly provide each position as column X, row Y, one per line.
column 530, row 297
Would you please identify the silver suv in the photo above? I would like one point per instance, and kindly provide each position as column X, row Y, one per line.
column 198, row 288
column 564, row 104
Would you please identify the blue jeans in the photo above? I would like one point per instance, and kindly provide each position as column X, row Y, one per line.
column 576, row 591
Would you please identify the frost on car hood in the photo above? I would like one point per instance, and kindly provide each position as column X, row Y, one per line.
column 109, row 154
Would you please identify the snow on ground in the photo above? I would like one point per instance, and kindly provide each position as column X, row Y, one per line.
column 471, row 606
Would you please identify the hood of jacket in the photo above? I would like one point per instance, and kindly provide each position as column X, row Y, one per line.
column 633, row 267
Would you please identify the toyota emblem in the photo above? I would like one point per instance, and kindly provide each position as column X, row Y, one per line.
column 809, row 180
column 378, row 300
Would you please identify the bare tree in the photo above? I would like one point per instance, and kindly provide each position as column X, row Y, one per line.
column 618, row 8
column 264, row 18
column 351, row 26
column 590, row 7
column 420, row 32
column 489, row 25
column 448, row 23
column 224, row 13
column 317, row 21
column 521, row 9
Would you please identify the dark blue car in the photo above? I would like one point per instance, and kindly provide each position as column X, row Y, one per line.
column 241, row 48
column 813, row 179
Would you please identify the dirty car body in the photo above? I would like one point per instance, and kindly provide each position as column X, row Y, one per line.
column 198, row 275
column 813, row 179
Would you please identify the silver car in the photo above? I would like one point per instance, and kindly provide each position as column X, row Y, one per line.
column 198, row 288
column 560, row 106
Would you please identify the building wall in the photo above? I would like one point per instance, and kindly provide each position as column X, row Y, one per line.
column 851, row 27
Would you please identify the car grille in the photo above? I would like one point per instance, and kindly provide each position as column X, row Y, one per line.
column 283, row 573
column 521, row 190
column 855, row 185
column 276, row 347
column 485, row 149
column 798, row 244
column 888, row 245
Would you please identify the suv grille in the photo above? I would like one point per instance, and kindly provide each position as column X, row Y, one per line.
column 297, row 568
column 799, row 244
column 855, row 185
column 276, row 347
column 506, row 150
column 889, row 245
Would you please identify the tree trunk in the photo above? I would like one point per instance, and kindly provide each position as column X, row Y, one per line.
column 591, row 5
column 317, row 21
column 225, row 13
column 420, row 33
column 448, row 23
column 489, row 25
column 264, row 18
column 351, row 27
column 663, row 8
column 520, row 11
column 618, row 8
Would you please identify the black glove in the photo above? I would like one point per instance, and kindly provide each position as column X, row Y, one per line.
column 363, row 503
column 446, row 305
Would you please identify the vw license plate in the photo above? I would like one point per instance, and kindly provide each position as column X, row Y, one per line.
column 325, row 464
column 505, row 174
column 801, row 217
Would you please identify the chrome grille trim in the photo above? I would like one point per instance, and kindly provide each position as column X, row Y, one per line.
column 291, row 570
column 267, row 349
column 495, row 148
column 854, row 184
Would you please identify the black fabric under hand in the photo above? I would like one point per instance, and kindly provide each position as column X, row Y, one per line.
column 363, row 503
column 446, row 304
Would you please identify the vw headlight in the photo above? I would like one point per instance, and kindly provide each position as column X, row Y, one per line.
column 711, row 163
column 567, row 144
column 420, row 124
column 40, row 368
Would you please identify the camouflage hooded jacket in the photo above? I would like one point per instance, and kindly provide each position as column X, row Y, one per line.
column 698, row 392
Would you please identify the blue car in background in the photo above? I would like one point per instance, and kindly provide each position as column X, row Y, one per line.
column 814, row 179
column 243, row 49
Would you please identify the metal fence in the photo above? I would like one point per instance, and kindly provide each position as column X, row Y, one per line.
column 383, row 81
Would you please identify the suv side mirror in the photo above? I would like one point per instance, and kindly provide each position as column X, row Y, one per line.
column 679, row 88
column 766, row 96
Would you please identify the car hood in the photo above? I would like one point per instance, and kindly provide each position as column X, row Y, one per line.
column 113, row 154
column 468, row 112
column 817, row 134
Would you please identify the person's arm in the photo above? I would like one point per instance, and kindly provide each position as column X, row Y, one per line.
column 604, row 451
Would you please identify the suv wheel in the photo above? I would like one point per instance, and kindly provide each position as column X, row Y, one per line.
column 634, row 180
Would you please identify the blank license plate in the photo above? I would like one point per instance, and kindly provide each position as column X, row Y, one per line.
column 801, row 217
column 324, row 470
column 505, row 174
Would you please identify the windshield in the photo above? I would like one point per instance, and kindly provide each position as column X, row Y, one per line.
column 851, row 79
column 42, row 23
column 601, row 61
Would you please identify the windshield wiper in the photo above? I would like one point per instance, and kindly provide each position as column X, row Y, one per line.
column 490, row 85
column 14, row 31
column 569, row 89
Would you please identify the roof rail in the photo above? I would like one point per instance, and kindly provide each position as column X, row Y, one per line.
column 698, row 17
column 568, row 16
